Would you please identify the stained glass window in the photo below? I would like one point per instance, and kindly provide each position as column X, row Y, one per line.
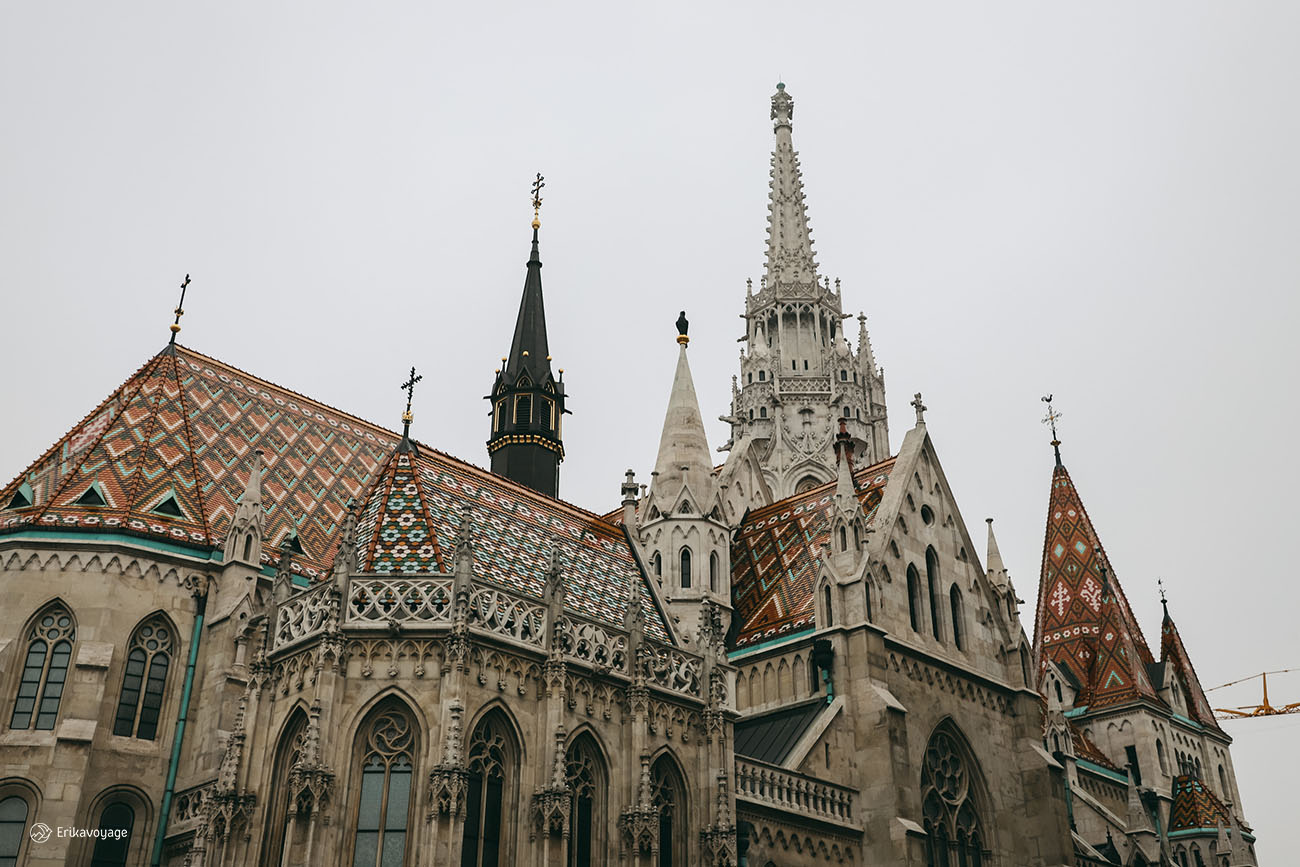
column 45, row 669
column 384, row 803
column 144, row 679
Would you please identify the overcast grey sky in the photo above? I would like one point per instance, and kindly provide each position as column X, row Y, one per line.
column 1095, row 200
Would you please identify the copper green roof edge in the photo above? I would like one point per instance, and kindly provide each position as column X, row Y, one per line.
column 771, row 642
column 1105, row 772
column 1196, row 832
column 1076, row 711
column 1187, row 721
column 213, row 555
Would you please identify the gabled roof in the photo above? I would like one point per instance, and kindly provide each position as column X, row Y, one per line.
column 190, row 424
column 1072, row 598
column 1172, row 652
column 1196, row 807
column 771, row 736
column 774, row 556
column 396, row 533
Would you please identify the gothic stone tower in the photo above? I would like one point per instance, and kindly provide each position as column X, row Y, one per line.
column 798, row 374
column 527, row 400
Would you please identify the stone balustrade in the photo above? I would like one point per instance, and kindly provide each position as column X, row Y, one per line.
column 379, row 600
column 304, row 614
column 773, row 786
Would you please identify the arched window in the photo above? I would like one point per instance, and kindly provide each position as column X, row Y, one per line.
column 585, row 773
column 1160, row 756
column 762, row 412
column 954, row 836
column 844, row 539
column 387, row 757
column 493, row 769
column 668, row 793
column 826, row 604
column 932, row 579
column 293, row 738
column 1060, row 699
column 13, row 828
column 686, row 568
column 658, row 563
column 45, row 669
column 958, row 617
column 715, row 572
column 857, row 538
column 111, row 849
column 914, row 597
column 148, row 658
column 1223, row 785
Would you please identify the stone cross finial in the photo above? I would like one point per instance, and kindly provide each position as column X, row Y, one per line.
column 920, row 409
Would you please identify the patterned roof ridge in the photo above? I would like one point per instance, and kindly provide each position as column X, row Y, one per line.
column 774, row 556
column 1117, row 673
column 1173, row 650
column 1195, row 806
column 6, row 493
column 1067, row 622
column 403, row 537
column 143, row 452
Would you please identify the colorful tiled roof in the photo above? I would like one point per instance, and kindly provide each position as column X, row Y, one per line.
column 1195, row 806
column 1085, row 749
column 1068, row 627
column 774, row 556
column 1118, row 674
column 189, row 424
column 1173, row 652
column 186, row 426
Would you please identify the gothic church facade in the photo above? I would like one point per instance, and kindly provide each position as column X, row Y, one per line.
column 243, row 627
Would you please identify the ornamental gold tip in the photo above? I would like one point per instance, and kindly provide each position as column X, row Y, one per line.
column 537, row 224
column 683, row 339
column 175, row 328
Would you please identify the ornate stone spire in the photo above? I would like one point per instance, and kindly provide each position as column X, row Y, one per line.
column 244, row 539
column 684, row 463
column 997, row 569
column 789, row 240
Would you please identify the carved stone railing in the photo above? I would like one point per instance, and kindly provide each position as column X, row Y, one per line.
column 506, row 614
column 772, row 786
column 796, row 385
column 304, row 614
column 379, row 600
column 189, row 807
column 672, row 669
column 589, row 642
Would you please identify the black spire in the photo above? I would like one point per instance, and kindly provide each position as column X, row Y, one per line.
column 527, row 399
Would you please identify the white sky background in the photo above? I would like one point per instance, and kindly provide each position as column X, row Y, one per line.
column 1024, row 198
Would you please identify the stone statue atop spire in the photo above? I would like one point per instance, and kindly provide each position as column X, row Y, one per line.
column 799, row 376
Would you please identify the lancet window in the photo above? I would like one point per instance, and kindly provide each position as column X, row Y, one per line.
column 384, row 806
column 493, row 769
column 668, row 794
column 585, row 775
column 148, row 659
column 45, row 669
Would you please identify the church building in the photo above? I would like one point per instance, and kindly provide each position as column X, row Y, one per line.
column 243, row 627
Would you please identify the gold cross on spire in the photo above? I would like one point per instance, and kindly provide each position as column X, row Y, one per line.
column 409, row 388
column 180, row 310
column 1052, row 415
column 537, row 200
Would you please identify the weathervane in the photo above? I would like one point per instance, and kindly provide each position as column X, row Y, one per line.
column 1164, row 603
column 409, row 388
column 1050, row 419
column 180, row 310
column 537, row 200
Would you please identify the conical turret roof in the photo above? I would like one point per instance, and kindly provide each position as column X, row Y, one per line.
column 1173, row 653
column 789, row 240
column 529, row 352
column 1079, row 595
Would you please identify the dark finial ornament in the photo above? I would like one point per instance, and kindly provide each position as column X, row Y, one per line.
column 179, row 311
column 1164, row 603
column 407, row 417
column 1050, row 419
column 682, row 327
column 537, row 200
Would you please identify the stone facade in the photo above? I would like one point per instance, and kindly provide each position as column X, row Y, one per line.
column 246, row 628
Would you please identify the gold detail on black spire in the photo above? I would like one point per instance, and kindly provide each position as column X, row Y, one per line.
column 179, row 311
column 407, row 416
column 1050, row 419
column 537, row 200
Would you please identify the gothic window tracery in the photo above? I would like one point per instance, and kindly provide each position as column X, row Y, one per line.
column 686, row 568
column 954, row 836
column 932, row 579
column 45, row 669
column 144, row 679
column 668, row 794
column 715, row 573
column 585, row 775
column 288, row 754
column 914, row 597
column 958, row 617
column 492, row 768
column 384, row 804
